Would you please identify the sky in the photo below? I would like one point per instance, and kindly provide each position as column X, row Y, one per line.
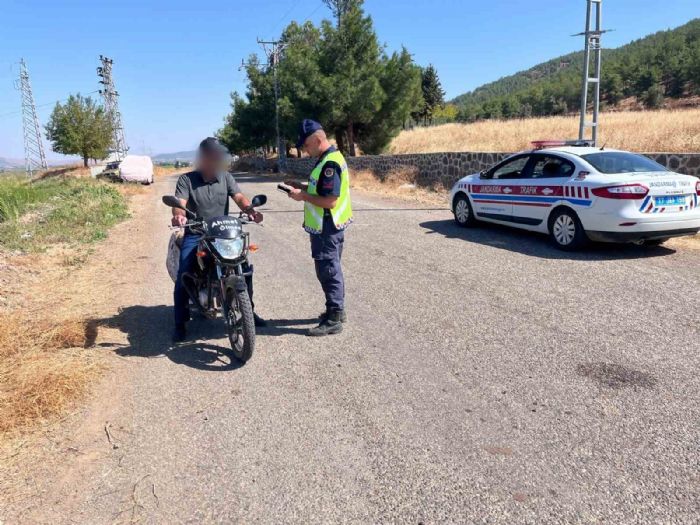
column 176, row 61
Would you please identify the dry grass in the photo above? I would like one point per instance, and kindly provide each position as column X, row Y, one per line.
column 646, row 131
column 43, row 368
column 163, row 171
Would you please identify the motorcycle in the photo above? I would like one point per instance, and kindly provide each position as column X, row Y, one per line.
column 218, row 283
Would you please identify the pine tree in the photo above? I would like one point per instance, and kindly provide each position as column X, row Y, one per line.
column 433, row 96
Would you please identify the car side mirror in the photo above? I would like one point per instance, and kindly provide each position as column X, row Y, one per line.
column 484, row 174
column 258, row 200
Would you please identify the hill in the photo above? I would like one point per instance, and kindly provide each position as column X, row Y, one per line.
column 10, row 164
column 188, row 156
column 664, row 64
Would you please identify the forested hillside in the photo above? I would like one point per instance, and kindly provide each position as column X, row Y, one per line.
column 663, row 65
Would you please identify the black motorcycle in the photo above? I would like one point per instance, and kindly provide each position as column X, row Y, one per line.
column 218, row 283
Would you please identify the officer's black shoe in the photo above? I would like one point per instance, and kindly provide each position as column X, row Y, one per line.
column 259, row 321
column 324, row 316
column 180, row 333
column 332, row 324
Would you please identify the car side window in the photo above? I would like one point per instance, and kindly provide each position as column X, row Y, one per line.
column 549, row 166
column 512, row 169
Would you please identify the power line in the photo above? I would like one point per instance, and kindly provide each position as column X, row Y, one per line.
column 59, row 101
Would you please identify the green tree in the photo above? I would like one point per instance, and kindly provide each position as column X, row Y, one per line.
column 433, row 95
column 613, row 87
column 654, row 96
column 80, row 127
column 340, row 7
column 400, row 82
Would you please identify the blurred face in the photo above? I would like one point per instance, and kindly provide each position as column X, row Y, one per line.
column 210, row 163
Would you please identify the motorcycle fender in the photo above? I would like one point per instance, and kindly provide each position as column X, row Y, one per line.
column 236, row 282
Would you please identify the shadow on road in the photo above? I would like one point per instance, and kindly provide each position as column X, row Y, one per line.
column 537, row 245
column 277, row 327
column 149, row 331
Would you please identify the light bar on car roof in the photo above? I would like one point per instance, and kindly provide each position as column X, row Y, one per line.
column 539, row 144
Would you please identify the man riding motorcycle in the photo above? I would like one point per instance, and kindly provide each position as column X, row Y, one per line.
column 205, row 192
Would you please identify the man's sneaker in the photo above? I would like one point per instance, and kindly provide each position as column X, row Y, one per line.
column 324, row 316
column 332, row 324
column 259, row 321
column 180, row 333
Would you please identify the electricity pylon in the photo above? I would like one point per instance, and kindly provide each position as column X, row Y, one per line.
column 34, row 156
column 109, row 95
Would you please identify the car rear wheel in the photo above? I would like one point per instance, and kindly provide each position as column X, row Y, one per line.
column 566, row 231
column 463, row 212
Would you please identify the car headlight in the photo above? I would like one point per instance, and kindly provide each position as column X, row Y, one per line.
column 229, row 248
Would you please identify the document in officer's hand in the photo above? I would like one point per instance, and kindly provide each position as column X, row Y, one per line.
column 284, row 188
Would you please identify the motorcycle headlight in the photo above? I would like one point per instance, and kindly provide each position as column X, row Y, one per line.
column 229, row 248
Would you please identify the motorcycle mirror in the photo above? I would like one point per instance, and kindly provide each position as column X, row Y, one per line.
column 258, row 200
column 174, row 202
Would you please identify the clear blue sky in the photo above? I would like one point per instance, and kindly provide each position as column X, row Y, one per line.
column 175, row 61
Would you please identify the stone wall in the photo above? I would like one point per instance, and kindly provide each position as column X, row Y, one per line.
column 444, row 169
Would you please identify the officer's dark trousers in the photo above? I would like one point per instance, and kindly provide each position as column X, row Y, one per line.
column 188, row 258
column 327, row 250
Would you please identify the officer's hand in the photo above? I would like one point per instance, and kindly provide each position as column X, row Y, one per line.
column 294, row 184
column 178, row 221
column 296, row 194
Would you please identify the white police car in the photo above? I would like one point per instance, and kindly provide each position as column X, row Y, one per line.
column 575, row 192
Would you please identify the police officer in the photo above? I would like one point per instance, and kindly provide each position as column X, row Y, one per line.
column 327, row 213
column 205, row 192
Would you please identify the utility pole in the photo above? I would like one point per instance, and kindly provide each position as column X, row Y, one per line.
column 109, row 95
column 34, row 157
column 273, row 53
column 591, row 36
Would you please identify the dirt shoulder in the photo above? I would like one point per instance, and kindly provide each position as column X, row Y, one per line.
column 89, row 286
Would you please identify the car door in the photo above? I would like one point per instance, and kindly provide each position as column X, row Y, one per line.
column 492, row 196
column 539, row 188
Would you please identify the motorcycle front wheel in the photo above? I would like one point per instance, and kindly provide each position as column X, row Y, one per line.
column 240, row 324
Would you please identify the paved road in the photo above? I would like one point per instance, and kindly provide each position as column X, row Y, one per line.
column 483, row 377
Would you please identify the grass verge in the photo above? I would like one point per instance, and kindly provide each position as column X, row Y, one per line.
column 43, row 365
column 36, row 215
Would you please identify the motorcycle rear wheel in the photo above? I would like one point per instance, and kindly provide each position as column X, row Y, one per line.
column 240, row 324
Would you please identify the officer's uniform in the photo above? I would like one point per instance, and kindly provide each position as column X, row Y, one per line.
column 329, row 177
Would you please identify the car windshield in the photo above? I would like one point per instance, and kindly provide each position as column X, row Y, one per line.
column 621, row 162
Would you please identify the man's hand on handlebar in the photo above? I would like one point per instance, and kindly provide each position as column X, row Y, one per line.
column 255, row 216
column 179, row 221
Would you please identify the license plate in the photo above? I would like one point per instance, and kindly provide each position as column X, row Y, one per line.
column 670, row 200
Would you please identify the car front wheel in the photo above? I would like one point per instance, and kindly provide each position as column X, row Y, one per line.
column 566, row 231
column 463, row 212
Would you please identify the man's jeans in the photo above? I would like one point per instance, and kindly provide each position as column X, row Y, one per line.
column 188, row 258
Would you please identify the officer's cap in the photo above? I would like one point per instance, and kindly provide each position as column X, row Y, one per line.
column 307, row 128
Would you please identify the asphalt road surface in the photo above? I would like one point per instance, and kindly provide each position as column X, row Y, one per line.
column 483, row 377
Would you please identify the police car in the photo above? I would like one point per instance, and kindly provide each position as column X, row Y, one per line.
column 575, row 192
